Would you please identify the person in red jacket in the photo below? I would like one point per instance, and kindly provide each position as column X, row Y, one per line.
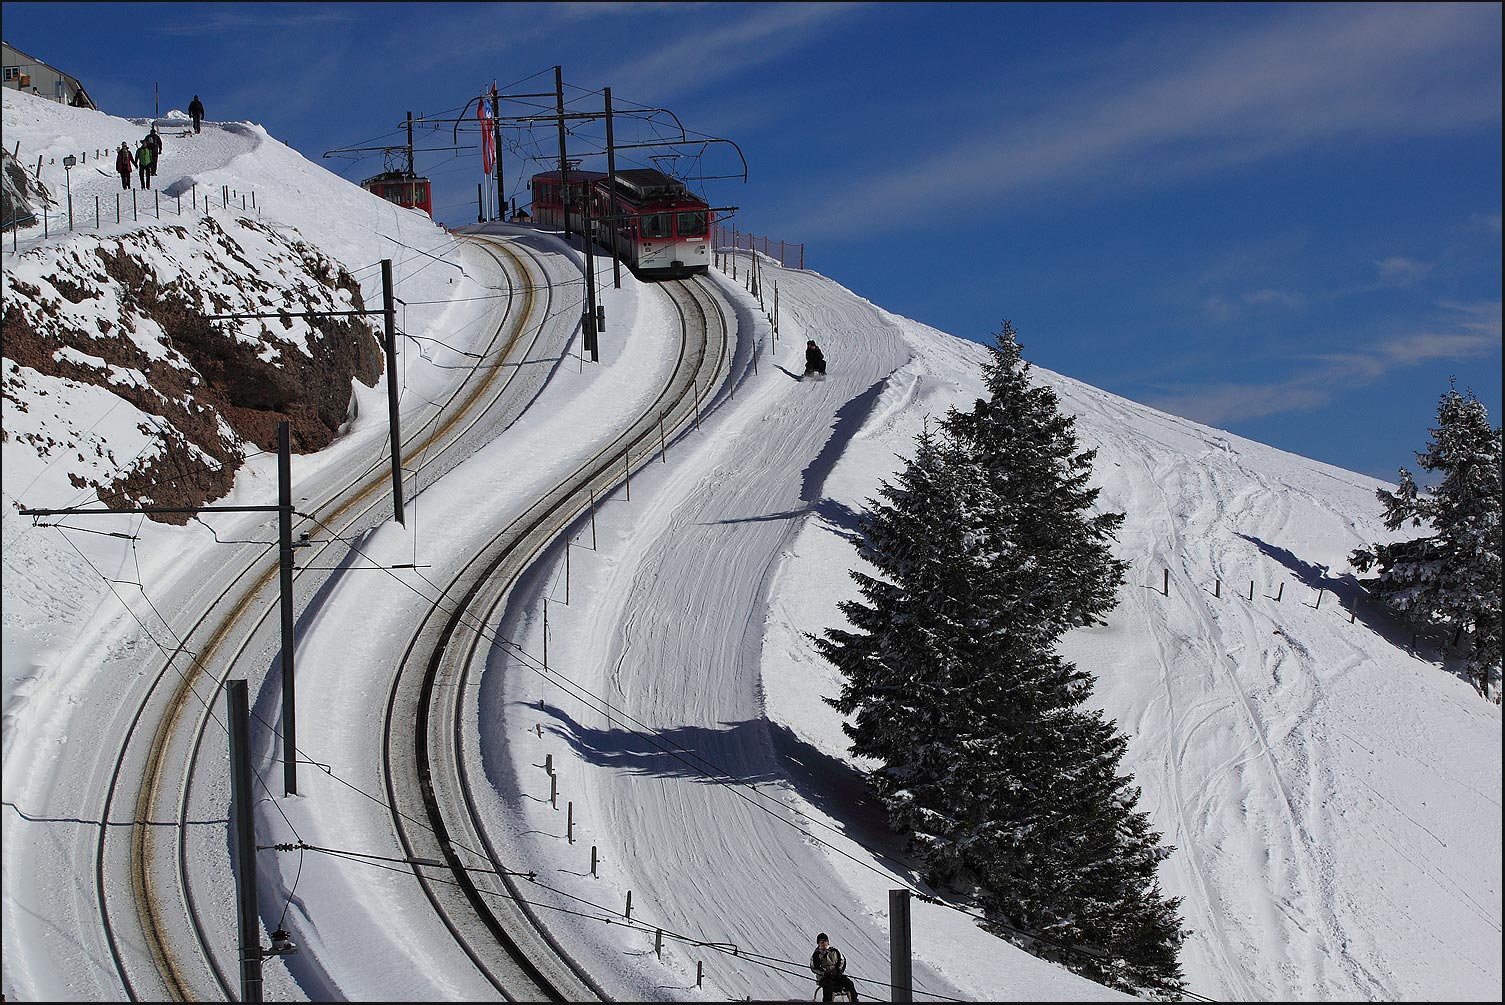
column 125, row 164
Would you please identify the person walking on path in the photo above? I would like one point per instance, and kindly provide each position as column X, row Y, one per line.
column 125, row 164
column 144, row 162
column 196, row 112
column 154, row 140
column 830, row 969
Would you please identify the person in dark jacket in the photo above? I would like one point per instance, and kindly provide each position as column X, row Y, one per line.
column 815, row 362
column 154, row 140
column 196, row 112
column 830, row 967
column 144, row 162
column 125, row 164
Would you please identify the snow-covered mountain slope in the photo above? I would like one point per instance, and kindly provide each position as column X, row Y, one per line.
column 1334, row 798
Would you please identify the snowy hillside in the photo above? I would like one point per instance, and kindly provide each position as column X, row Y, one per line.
column 1334, row 797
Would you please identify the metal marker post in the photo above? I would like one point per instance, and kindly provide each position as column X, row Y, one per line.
column 68, row 163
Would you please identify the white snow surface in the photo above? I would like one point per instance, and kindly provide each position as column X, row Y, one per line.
column 1333, row 796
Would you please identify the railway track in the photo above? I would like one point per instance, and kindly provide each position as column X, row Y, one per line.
column 436, row 809
column 152, row 780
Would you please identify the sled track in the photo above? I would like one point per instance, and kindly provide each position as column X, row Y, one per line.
column 150, row 785
column 428, row 777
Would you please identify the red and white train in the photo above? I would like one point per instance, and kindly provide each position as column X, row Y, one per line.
column 403, row 188
column 658, row 227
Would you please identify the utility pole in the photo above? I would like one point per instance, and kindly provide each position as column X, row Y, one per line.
column 389, row 320
column 900, row 959
column 244, row 836
column 410, row 144
column 284, row 510
column 285, row 561
column 611, row 180
column 564, row 165
column 496, row 135
column 389, row 315
column 588, row 320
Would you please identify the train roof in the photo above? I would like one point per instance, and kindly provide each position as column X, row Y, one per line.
column 649, row 183
column 388, row 176
column 575, row 176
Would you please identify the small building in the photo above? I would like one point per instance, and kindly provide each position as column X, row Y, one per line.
column 27, row 73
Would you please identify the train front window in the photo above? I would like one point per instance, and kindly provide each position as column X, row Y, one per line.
column 692, row 224
column 655, row 226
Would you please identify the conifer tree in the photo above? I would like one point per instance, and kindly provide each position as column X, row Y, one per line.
column 1451, row 578
column 1007, row 786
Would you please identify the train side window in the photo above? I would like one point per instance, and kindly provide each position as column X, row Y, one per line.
column 655, row 225
column 691, row 224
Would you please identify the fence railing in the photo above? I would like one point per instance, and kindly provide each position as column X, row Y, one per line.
column 61, row 213
column 731, row 238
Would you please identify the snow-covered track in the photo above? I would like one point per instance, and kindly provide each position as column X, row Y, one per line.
column 169, row 774
column 434, row 786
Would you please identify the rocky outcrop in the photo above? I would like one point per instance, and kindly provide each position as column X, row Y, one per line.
column 131, row 317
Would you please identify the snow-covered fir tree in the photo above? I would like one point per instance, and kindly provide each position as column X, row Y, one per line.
column 1450, row 579
column 1007, row 785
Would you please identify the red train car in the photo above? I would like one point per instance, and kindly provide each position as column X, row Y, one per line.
column 403, row 188
column 660, row 229
column 548, row 201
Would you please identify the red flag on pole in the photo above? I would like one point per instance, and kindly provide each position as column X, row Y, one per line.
column 488, row 148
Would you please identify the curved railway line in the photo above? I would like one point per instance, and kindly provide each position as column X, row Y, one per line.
column 152, row 775
column 427, row 773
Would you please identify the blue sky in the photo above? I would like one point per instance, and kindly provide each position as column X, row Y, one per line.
column 1282, row 220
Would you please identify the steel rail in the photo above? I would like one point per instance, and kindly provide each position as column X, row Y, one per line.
column 148, row 901
column 439, row 773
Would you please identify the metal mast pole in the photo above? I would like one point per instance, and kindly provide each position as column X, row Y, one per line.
column 241, row 801
column 410, row 143
column 588, row 321
column 900, row 958
column 616, row 222
column 564, row 167
column 389, row 316
column 285, row 546
column 496, row 136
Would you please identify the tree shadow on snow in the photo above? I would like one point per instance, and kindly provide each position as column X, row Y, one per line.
column 1346, row 590
column 838, row 516
column 754, row 752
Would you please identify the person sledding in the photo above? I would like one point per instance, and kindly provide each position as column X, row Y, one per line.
column 815, row 361
column 830, row 967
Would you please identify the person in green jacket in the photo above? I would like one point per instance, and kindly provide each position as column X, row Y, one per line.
column 144, row 163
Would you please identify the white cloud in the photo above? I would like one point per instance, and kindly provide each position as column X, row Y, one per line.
column 1310, row 75
column 1466, row 332
column 1399, row 271
column 1279, row 298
